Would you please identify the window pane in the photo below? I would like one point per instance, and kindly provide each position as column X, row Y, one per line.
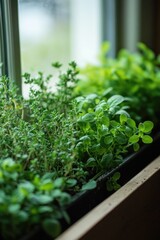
column 58, row 30
column 44, row 33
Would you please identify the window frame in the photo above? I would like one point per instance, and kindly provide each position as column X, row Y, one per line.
column 9, row 39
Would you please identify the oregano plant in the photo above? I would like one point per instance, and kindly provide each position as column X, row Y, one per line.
column 108, row 132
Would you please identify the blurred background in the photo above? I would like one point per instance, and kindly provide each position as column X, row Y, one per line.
column 67, row 30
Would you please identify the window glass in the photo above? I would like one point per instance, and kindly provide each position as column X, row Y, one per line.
column 58, row 30
column 44, row 33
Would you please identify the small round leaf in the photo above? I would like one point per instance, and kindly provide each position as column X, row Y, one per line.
column 148, row 125
column 52, row 227
column 136, row 147
column 90, row 185
column 147, row 139
column 134, row 139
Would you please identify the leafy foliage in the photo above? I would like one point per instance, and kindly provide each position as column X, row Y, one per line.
column 108, row 131
column 54, row 145
column 27, row 200
column 112, row 184
column 133, row 75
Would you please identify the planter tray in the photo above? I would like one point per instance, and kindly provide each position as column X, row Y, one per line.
column 84, row 202
column 133, row 212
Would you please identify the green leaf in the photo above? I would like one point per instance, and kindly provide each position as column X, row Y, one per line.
column 46, row 186
column 131, row 123
column 128, row 131
column 108, row 139
column 148, row 126
column 106, row 121
column 134, row 139
column 114, row 124
column 121, row 138
column 27, row 186
column 90, row 185
column 56, row 193
column 86, row 139
column 141, row 127
column 106, row 160
column 109, row 185
column 48, row 175
column 71, row 182
column 104, row 130
column 88, row 117
column 122, row 111
column 92, row 97
column 10, row 166
column 123, row 118
column 52, row 227
column 147, row 139
column 112, row 182
column 136, row 147
column 14, row 208
column 91, row 162
column 59, row 182
column 41, row 199
column 116, row 176
column 56, row 64
column 115, row 100
column 45, row 209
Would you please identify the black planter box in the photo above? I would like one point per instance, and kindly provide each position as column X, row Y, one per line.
column 128, row 169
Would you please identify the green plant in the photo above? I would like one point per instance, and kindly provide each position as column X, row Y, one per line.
column 54, row 145
column 133, row 75
column 29, row 200
column 107, row 132
column 112, row 184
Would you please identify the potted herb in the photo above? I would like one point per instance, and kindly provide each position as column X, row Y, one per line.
column 54, row 146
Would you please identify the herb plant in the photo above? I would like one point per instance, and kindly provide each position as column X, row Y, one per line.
column 107, row 131
column 28, row 201
column 54, row 145
column 133, row 75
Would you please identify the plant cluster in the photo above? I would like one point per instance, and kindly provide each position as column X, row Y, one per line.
column 54, row 145
column 133, row 75
column 28, row 200
column 107, row 131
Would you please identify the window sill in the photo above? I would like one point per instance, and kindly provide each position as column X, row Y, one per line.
column 132, row 212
